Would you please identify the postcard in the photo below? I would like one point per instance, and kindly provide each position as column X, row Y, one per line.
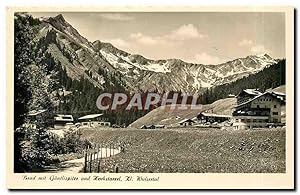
column 150, row 98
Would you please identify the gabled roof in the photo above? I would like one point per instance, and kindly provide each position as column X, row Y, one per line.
column 215, row 115
column 90, row 116
column 247, row 102
column 253, row 92
column 278, row 93
column 66, row 118
column 36, row 112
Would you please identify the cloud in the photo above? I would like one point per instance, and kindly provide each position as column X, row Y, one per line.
column 204, row 58
column 259, row 49
column 145, row 39
column 117, row 17
column 184, row 32
column 118, row 42
column 245, row 42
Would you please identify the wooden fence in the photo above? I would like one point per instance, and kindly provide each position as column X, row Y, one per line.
column 93, row 155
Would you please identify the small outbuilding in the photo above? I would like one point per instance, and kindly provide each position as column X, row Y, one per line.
column 152, row 127
column 60, row 121
column 205, row 117
column 93, row 120
column 159, row 126
column 34, row 116
column 186, row 122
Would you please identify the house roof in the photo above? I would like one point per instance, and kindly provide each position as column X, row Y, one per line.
column 90, row 116
column 231, row 95
column 66, row 118
column 278, row 93
column 254, row 92
column 36, row 112
column 186, row 120
column 159, row 125
column 215, row 115
column 247, row 102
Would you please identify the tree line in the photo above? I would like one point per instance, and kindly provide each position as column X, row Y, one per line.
column 35, row 79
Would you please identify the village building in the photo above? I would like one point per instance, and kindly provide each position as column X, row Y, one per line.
column 263, row 110
column 205, row 117
column 152, row 127
column 93, row 120
column 186, row 122
column 159, row 126
column 33, row 117
column 282, row 96
column 231, row 96
column 61, row 121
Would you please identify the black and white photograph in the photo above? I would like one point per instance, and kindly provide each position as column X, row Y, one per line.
column 142, row 92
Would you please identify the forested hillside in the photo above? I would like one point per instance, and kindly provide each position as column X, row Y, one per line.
column 270, row 77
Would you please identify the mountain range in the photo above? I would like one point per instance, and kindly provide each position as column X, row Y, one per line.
column 98, row 60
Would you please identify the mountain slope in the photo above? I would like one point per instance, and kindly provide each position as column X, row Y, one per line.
column 171, row 117
column 100, row 62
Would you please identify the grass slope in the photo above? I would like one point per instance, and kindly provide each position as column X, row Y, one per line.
column 171, row 117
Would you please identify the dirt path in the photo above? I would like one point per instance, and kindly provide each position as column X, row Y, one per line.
column 74, row 166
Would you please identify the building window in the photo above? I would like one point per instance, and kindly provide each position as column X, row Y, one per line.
column 257, row 106
column 254, row 120
column 275, row 120
column 275, row 106
column 248, row 120
column 275, row 113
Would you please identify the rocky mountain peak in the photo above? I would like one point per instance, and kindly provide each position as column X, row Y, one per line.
column 60, row 18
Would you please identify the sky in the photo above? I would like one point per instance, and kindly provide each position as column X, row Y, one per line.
column 199, row 37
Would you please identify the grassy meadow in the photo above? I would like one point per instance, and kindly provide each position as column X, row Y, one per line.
column 193, row 150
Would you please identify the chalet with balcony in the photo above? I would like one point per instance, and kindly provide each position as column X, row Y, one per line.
column 260, row 111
